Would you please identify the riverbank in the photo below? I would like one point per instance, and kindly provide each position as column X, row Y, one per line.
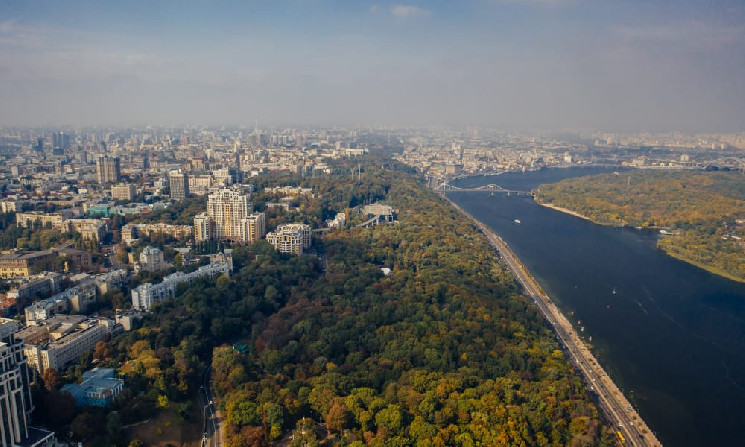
column 664, row 248
column 630, row 427
column 702, row 206
column 567, row 211
column 701, row 265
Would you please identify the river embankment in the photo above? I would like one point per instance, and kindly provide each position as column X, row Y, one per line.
column 629, row 425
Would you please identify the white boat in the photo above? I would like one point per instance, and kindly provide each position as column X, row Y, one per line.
column 517, row 221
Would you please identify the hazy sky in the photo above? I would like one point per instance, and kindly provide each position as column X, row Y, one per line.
column 529, row 64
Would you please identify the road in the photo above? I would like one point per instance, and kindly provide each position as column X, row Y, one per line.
column 212, row 430
column 611, row 400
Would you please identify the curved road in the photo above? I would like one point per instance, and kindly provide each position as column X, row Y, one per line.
column 633, row 430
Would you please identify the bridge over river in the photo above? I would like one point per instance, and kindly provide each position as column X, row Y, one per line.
column 492, row 187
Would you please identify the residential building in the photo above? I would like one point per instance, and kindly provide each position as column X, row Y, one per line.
column 253, row 227
column 15, row 394
column 131, row 232
column 204, row 228
column 229, row 216
column 42, row 284
column 123, row 191
column 8, row 206
column 35, row 218
column 179, row 184
column 43, row 310
column 227, row 206
column 108, row 170
column 200, row 184
column 91, row 229
column 111, row 280
column 76, row 261
column 290, row 238
column 151, row 260
column 127, row 319
column 22, row 263
column 78, row 298
column 145, row 295
column 62, row 339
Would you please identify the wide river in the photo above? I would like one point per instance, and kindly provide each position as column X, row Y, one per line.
column 671, row 335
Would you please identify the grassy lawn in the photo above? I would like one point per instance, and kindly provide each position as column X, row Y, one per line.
column 164, row 430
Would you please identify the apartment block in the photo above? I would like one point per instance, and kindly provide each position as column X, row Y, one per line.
column 179, row 184
column 290, row 238
column 229, row 216
column 62, row 339
column 21, row 263
column 124, row 191
column 145, row 295
column 108, row 170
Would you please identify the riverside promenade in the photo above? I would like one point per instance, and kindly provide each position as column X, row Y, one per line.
column 630, row 428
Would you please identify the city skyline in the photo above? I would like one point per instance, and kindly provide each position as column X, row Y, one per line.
column 533, row 64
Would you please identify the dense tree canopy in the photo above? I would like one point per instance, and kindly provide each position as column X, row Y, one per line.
column 444, row 351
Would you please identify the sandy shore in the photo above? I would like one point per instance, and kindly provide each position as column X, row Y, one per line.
column 565, row 210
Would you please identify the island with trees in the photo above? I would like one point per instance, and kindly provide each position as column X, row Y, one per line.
column 701, row 214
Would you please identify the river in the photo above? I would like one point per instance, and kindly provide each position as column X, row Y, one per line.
column 671, row 335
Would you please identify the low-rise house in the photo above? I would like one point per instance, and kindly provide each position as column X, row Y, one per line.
column 99, row 388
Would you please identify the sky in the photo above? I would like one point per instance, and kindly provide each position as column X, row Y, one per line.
column 613, row 65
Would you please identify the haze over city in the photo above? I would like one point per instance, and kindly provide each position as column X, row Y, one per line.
column 533, row 64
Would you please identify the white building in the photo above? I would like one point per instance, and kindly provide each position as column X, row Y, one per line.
column 145, row 295
column 151, row 260
column 290, row 238
column 338, row 222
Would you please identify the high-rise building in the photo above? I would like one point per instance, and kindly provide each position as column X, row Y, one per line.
column 229, row 216
column 253, row 227
column 60, row 140
column 15, row 394
column 204, row 228
column 108, row 170
column 227, row 206
column 179, row 184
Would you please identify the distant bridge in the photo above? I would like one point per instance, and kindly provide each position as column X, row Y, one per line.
column 493, row 188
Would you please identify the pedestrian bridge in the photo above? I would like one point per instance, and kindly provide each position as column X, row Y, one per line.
column 492, row 187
